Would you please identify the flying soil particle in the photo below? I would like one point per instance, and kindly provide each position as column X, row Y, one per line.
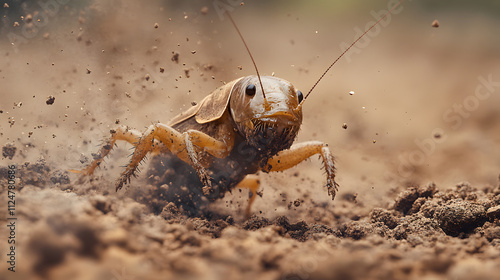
column 175, row 57
column 28, row 18
column 435, row 23
column 9, row 150
column 296, row 203
column 50, row 100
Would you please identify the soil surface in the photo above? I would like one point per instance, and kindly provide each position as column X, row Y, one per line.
column 411, row 115
column 83, row 232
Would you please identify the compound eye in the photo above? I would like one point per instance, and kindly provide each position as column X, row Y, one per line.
column 300, row 96
column 250, row 90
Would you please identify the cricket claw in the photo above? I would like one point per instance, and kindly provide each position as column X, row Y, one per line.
column 333, row 187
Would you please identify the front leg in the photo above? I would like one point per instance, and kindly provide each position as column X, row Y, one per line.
column 196, row 141
column 300, row 152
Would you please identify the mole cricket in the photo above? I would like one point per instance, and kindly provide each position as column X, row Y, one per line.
column 243, row 127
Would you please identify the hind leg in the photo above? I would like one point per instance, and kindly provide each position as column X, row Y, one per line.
column 122, row 133
column 252, row 183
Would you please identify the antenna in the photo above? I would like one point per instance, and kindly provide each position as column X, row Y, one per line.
column 353, row 43
column 248, row 50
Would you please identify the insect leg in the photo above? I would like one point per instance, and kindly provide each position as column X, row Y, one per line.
column 217, row 148
column 183, row 145
column 149, row 142
column 252, row 183
column 300, row 152
column 120, row 133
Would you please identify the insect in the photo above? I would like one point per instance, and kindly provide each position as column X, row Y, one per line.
column 246, row 126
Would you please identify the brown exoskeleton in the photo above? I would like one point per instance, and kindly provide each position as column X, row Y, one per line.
column 245, row 126
column 231, row 133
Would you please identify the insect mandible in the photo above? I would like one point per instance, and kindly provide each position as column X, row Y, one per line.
column 246, row 126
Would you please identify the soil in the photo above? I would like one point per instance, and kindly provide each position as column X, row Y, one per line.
column 84, row 233
column 419, row 193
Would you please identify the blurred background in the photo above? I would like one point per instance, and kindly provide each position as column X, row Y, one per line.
column 425, row 106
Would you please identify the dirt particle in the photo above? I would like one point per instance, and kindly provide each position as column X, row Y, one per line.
column 88, row 71
column 296, row 203
column 16, row 24
column 156, row 25
column 387, row 217
column 350, row 197
column 204, row 10
column 404, row 201
column 417, row 204
column 11, row 121
column 193, row 103
column 101, row 203
column 50, row 100
column 355, row 229
column 255, row 223
column 344, row 126
column 175, row 57
column 458, row 216
column 28, row 18
column 59, row 177
column 186, row 72
column 147, row 77
column 240, row 67
column 435, row 23
column 5, row 5
column 193, row 52
column 493, row 212
column 162, row 69
column 9, row 150
column 296, row 231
